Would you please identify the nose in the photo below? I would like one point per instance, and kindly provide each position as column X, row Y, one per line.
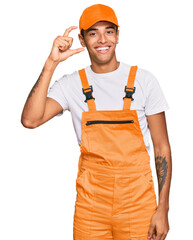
column 102, row 38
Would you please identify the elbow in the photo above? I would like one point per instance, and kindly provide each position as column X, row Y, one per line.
column 164, row 148
column 28, row 124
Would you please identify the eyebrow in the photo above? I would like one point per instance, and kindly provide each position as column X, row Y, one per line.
column 95, row 29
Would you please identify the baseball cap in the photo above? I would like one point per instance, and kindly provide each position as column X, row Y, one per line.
column 96, row 13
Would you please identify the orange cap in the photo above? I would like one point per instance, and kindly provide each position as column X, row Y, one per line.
column 96, row 13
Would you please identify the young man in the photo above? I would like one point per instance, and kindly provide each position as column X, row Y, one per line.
column 113, row 107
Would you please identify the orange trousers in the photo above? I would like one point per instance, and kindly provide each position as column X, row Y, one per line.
column 115, row 189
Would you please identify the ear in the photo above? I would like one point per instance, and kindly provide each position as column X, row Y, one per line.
column 81, row 40
column 117, row 37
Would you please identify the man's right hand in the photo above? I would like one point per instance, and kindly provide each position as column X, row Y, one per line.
column 61, row 47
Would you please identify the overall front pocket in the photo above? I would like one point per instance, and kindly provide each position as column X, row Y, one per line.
column 108, row 122
column 81, row 174
column 111, row 139
column 147, row 177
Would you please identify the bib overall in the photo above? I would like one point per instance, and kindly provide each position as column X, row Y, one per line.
column 115, row 188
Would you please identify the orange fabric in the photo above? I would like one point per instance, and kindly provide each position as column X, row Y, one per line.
column 130, row 84
column 115, row 189
column 91, row 102
column 96, row 13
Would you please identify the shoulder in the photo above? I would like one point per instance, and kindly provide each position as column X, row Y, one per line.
column 71, row 83
column 145, row 77
column 73, row 76
column 142, row 75
column 69, row 79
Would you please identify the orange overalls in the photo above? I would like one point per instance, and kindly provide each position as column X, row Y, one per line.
column 115, row 189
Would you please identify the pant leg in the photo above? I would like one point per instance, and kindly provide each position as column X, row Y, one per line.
column 93, row 207
column 134, row 205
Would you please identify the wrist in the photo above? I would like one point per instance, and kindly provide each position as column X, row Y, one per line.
column 50, row 65
column 163, row 206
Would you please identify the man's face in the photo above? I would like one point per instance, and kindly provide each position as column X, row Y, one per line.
column 100, row 40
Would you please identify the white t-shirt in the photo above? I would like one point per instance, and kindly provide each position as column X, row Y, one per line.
column 108, row 91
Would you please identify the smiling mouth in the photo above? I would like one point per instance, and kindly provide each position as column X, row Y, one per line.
column 102, row 49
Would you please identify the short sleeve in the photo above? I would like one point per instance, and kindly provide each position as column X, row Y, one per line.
column 56, row 92
column 155, row 100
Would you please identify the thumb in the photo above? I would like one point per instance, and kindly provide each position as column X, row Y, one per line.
column 151, row 230
column 78, row 50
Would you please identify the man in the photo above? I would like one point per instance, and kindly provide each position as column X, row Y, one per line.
column 113, row 107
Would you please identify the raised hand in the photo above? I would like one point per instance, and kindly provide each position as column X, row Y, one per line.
column 61, row 47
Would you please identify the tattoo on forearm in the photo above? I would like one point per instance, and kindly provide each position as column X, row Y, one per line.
column 35, row 85
column 161, row 168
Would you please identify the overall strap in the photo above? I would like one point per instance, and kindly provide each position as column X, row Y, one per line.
column 87, row 90
column 129, row 88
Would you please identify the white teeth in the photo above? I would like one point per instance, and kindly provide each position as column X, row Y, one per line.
column 102, row 48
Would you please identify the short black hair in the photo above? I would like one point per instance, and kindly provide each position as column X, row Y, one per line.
column 82, row 30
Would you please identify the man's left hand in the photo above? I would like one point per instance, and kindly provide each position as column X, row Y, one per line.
column 159, row 226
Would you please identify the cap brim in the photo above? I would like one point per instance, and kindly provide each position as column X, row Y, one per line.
column 89, row 24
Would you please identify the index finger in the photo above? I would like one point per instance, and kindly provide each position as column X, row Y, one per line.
column 68, row 30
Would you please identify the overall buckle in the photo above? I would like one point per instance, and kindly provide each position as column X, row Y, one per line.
column 129, row 93
column 88, row 94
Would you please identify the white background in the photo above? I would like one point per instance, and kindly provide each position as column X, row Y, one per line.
column 38, row 167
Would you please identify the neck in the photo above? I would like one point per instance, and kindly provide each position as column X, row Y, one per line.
column 105, row 67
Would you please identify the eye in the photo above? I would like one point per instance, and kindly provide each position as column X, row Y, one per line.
column 92, row 34
column 109, row 31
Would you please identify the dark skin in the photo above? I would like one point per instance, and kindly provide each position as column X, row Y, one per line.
column 39, row 108
column 98, row 35
column 36, row 84
column 158, row 129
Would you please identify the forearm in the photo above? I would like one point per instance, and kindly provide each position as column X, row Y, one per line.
column 35, row 104
column 163, row 163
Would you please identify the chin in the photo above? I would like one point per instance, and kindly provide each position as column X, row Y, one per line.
column 103, row 60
